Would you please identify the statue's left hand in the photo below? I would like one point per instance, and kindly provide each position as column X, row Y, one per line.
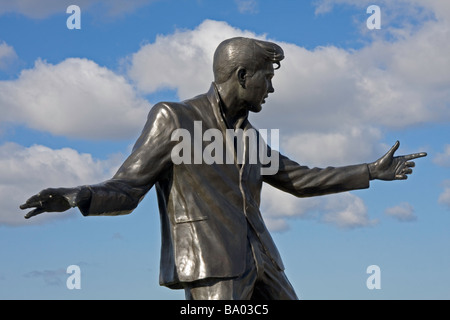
column 389, row 167
column 48, row 200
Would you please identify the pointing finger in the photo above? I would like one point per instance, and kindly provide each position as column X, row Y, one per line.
column 34, row 201
column 38, row 199
column 24, row 206
column 415, row 156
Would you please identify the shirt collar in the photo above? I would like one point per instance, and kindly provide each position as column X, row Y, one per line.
column 216, row 102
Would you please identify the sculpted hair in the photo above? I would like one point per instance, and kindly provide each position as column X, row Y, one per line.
column 250, row 54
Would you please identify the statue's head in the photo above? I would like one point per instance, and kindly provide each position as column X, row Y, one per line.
column 250, row 64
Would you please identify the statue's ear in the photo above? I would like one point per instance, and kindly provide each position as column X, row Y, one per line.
column 241, row 75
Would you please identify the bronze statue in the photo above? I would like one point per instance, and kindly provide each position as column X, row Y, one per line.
column 215, row 244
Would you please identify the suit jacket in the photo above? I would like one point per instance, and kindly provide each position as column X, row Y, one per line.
column 205, row 209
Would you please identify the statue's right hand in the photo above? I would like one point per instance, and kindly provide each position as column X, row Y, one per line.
column 48, row 200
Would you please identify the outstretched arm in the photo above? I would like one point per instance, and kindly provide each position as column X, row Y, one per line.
column 302, row 181
column 390, row 168
column 122, row 193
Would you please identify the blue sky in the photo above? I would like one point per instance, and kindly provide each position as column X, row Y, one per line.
column 73, row 102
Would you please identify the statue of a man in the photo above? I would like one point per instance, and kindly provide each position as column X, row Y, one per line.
column 215, row 244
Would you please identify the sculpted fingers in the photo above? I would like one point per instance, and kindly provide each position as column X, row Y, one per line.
column 394, row 148
column 415, row 156
column 404, row 169
column 32, row 202
column 390, row 168
column 42, row 202
column 34, row 212
column 410, row 164
column 407, row 167
column 401, row 173
column 407, row 171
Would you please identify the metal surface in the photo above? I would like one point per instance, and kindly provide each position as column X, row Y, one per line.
column 210, row 218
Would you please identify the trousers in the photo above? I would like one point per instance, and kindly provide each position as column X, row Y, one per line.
column 262, row 280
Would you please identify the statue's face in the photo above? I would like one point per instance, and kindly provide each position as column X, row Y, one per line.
column 258, row 86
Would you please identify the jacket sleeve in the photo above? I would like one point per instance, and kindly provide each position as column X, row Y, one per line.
column 149, row 159
column 302, row 181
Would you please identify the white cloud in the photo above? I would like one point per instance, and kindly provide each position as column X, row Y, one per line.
column 402, row 79
column 327, row 92
column 347, row 211
column 181, row 61
column 25, row 171
column 413, row 86
column 349, row 146
column 330, row 104
column 315, row 90
column 344, row 210
column 402, row 212
column 247, row 6
column 420, row 9
column 50, row 277
column 444, row 198
column 7, row 55
column 276, row 203
column 75, row 98
column 395, row 85
column 44, row 8
column 276, row 224
column 443, row 159
column 325, row 6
